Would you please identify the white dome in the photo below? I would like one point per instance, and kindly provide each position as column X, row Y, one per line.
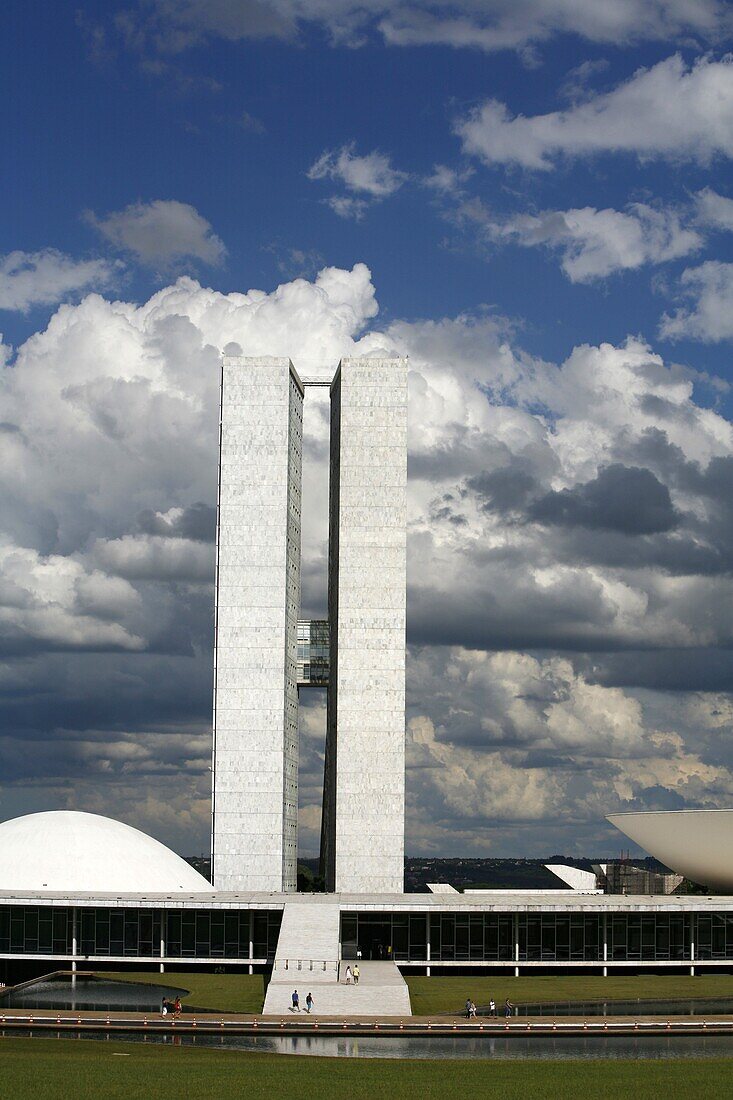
column 694, row 843
column 65, row 851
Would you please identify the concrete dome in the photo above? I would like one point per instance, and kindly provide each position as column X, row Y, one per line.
column 694, row 843
column 65, row 851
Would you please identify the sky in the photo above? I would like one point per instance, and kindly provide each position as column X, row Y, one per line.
column 532, row 200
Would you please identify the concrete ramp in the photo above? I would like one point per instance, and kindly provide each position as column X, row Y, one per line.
column 307, row 959
column 381, row 991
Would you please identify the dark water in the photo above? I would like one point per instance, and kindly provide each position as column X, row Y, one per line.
column 90, row 993
column 689, row 1007
column 544, row 1048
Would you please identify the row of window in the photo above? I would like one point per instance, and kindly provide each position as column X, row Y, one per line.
column 188, row 933
column 537, row 937
column 454, row 937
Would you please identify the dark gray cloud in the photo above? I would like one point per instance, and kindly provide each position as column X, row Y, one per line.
column 627, row 499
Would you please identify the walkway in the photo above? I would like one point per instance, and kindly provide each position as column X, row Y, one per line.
column 307, row 959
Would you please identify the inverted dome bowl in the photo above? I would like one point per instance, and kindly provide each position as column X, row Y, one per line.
column 695, row 843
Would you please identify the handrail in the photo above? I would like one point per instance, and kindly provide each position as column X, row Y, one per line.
column 310, row 965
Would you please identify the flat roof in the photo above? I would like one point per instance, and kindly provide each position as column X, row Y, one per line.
column 562, row 901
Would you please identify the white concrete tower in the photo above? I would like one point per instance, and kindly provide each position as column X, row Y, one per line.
column 255, row 753
column 362, row 836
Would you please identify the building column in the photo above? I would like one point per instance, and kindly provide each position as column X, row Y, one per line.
column 605, row 944
column 516, row 944
column 73, row 946
column 427, row 943
column 163, row 933
column 251, row 939
column 692, row 945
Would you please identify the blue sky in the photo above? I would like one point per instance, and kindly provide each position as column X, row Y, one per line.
column 540, row 201
column 91, row 129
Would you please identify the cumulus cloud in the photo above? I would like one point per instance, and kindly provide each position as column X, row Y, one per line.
column 594, row 243
column 570, row 554
column 161, row 232
column 29, row 279
column 670, row 111
column 489, row 25
column 709, row 317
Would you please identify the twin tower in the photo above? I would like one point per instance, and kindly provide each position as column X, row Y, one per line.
column 256, row 673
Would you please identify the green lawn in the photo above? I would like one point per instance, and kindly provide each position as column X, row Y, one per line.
column 50, row 1069
column 245, row 993
column 222, row 992
column 433, row 995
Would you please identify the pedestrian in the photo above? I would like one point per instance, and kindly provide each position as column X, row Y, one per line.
column 358, row 952
column 468, row 1007
column 164, row 1007
column 472, row 1011
column 492, row 1007
column 348, row 975
column 177, row 1006
column 508, row 1006
column 296, row 1001
column 309, row 1003
column 357, row 974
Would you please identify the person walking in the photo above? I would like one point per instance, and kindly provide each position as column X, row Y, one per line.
column 508, row 1006
column 296, row 1001
column 177, row 1006
column 492, row 1007
column 472, row 1011
column 357, row 974
column 164, row 1007
column 309, row 1003
column 348, row 975
column 468, row 1007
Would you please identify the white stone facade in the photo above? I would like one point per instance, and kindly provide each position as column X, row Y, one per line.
column 364, row 787
column 255, row 752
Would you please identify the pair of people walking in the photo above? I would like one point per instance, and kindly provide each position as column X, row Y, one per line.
column 309, row 1002
column 355, row 974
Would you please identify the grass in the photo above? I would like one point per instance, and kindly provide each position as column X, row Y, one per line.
column 447, row 994
column 46, row 1068
column 220, row 992
column 429, row 996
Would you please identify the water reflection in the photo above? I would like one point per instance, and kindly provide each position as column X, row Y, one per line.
column 92, row 993
column 544, row 1048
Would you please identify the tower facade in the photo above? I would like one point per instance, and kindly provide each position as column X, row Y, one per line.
column 255, row 749
column 362, row 833
column 263, row 652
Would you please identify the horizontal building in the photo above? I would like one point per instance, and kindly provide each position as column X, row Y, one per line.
column 433, row 933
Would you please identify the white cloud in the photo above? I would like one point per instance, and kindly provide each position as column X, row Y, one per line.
column 54, row 601
column 446, row 181
column 348, row 207
column 714, row 210
column 161, row 232
column 512, row 24
column 595, row 243
column 42, row 278
column 710, row 317
column 107, row 489
column 488, row 25
column 371, row 175
column 669, row 111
